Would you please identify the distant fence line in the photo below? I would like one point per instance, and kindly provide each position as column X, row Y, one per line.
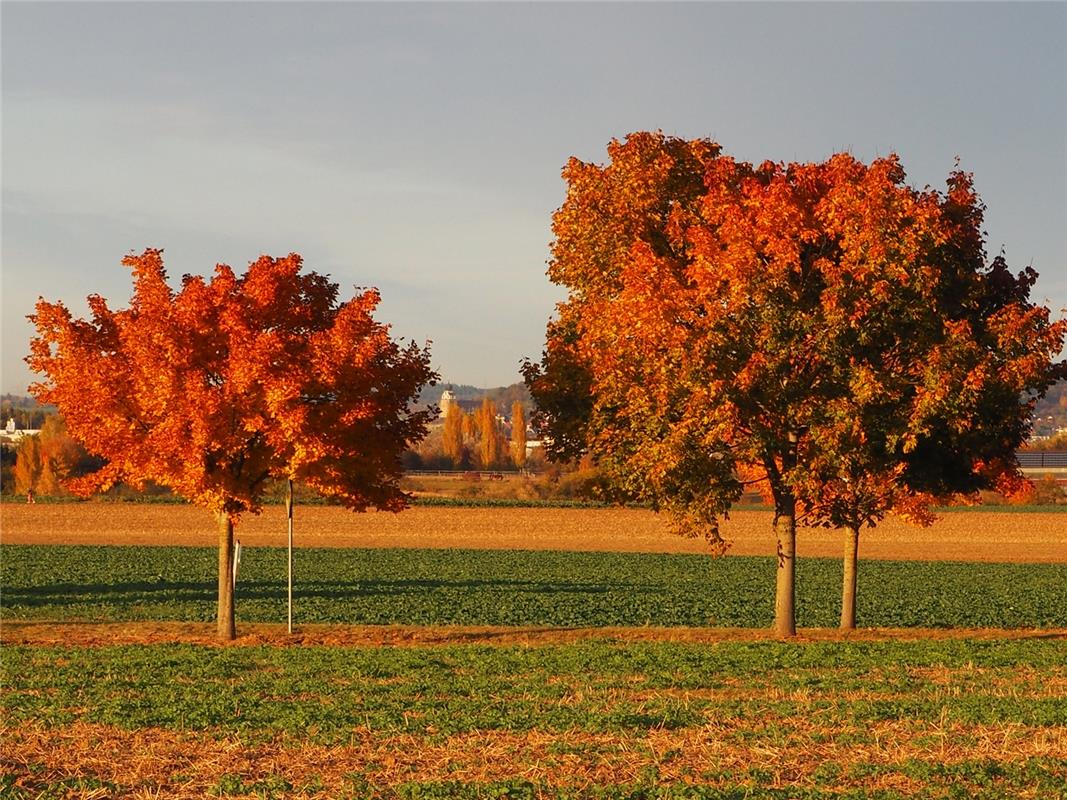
column 1036, row 459
column 470, row 473
column 1028, row 459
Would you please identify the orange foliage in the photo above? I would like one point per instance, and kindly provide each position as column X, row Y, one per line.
column 215, row 388
column 825, row 324
column 452, row 434
column 490, row 441
column 518, row 434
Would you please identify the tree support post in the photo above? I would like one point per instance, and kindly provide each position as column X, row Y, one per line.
column 289, row 515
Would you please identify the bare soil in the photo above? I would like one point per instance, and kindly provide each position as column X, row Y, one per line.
column 974, row 536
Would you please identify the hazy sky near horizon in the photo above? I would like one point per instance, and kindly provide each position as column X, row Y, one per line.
column 418, row 147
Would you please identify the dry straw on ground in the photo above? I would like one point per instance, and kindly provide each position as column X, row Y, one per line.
column 164, row 763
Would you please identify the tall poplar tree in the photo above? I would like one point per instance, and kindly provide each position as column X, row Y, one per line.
column 27, row 464
column 452, row 435
column 490, row 440
column 518, row 434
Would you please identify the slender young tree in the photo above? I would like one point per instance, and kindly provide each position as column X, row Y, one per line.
column 27, row 464
column 452, row 440
column 518, row 434
column 216, row 388
column 490, row 440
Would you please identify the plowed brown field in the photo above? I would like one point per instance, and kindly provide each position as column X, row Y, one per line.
column 970, row 536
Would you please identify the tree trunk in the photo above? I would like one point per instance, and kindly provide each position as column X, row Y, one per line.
column 848, row 586
column 227, row 630
column 785, row 528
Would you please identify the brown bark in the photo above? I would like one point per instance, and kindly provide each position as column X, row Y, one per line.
column 785, row 528
column 227, row 629
column 848, row 586
column 785, row 531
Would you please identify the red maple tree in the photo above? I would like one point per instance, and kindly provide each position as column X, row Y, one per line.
column 823, row 327
column 216, row 388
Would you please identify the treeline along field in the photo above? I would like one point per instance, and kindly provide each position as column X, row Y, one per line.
column 516, row 588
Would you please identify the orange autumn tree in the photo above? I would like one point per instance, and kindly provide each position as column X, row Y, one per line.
column 216, row 388
column 942, row 392
column 44, row 461
column 518, row 434
column 801, row 323
column 490, row 439
column 453, row 431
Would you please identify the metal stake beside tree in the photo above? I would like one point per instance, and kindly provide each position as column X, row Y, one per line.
column 289, row 517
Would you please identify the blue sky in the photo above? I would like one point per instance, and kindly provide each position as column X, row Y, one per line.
column 417, row 147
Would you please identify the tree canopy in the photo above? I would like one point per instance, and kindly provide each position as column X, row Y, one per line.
column 823, row 327
column 215, row 388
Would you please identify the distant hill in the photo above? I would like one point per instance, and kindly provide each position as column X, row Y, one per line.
column 23, row 407
column 11, row 401
column 28, row 413
column 1050, row 412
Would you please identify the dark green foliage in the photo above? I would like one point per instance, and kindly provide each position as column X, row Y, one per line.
column 485, row 587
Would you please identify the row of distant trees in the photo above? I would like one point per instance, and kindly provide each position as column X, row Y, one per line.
column 482, row 438
column 42, row 463
column 479, row 439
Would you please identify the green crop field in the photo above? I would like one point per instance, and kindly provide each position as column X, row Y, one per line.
column 959, row 718
column 932, row 718
column 477, row 587
column 324, row 692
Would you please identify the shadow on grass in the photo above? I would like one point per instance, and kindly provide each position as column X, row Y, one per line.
column 170, row 592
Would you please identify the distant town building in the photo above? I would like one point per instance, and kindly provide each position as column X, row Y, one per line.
column 449, row 401
column 10, row 434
